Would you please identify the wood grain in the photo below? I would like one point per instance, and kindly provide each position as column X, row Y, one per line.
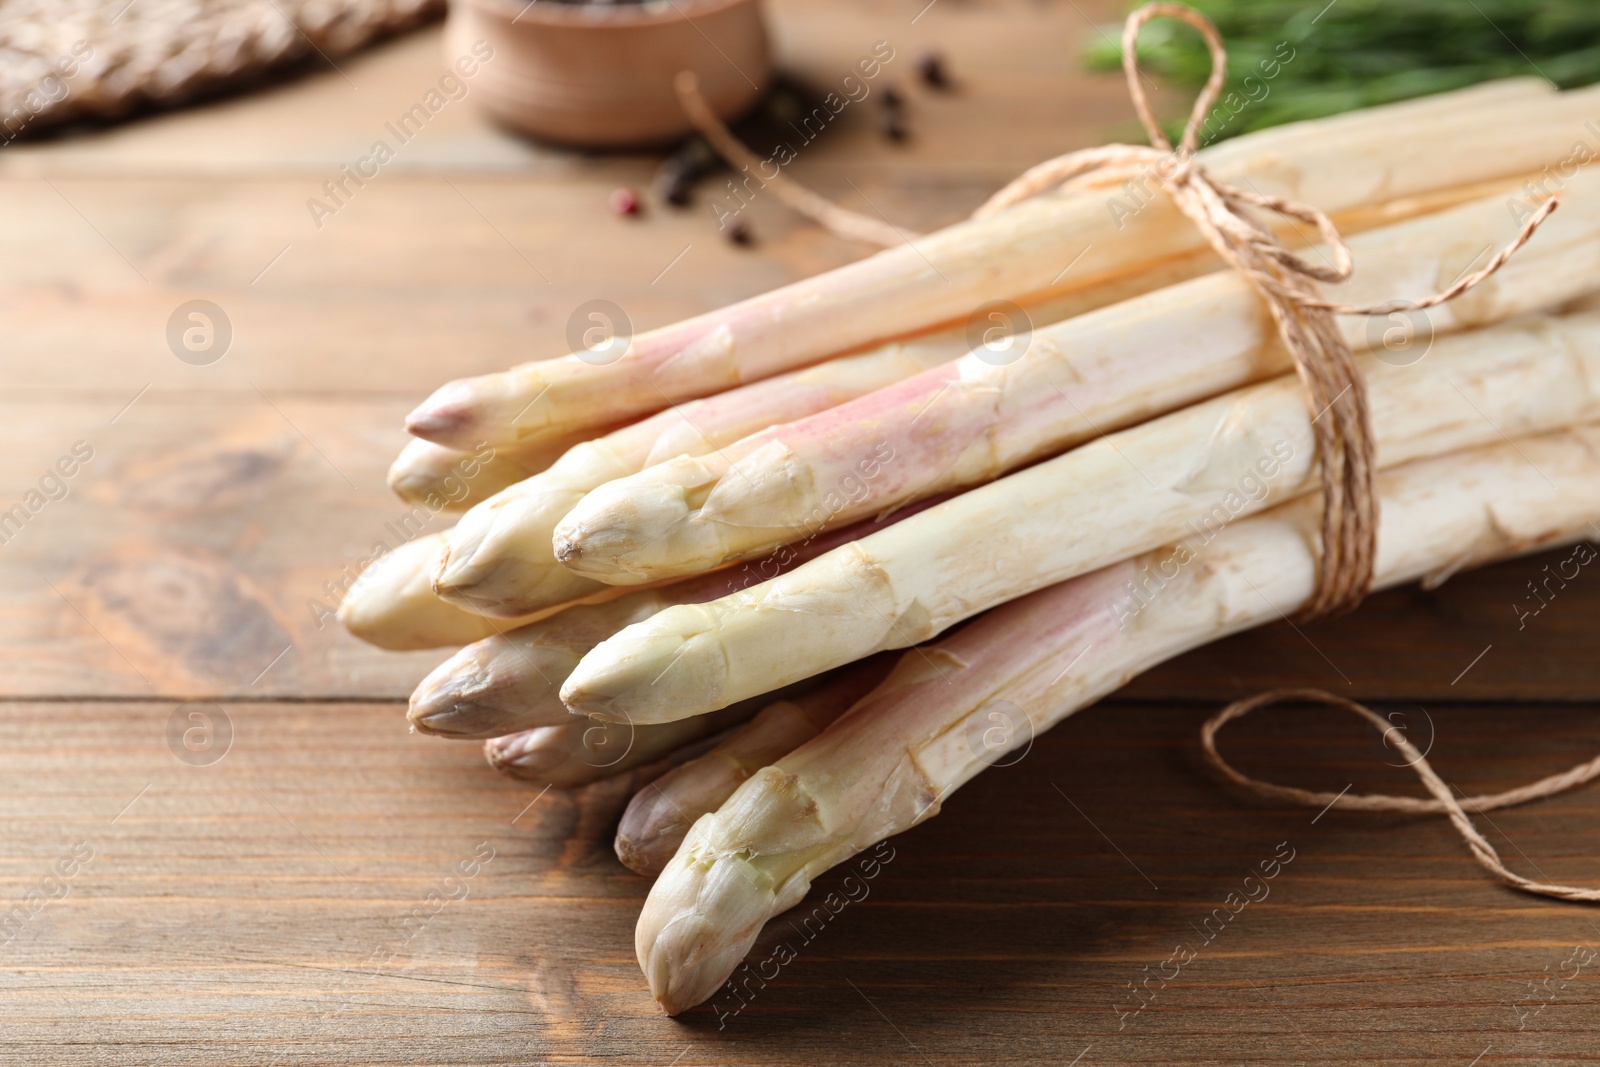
column 272, row 906
column 255, row 910
column 191, row 554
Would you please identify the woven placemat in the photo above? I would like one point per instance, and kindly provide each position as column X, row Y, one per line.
column 62, row 60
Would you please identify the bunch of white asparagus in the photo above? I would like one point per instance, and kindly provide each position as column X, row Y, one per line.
column 802, row 482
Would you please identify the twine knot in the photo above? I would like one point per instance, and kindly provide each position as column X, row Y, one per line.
column 1335, row 390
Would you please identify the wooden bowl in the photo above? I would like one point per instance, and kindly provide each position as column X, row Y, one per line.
column 600, row 75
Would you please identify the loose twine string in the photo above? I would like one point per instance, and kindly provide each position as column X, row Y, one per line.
column 1322, row 358
column 839, row 221
column 1444, row 801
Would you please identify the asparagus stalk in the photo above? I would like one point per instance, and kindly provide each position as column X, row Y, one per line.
column 1187, row 474
column 511, row 681
column 659, row 815
column 499, row 559
column 578, row 753
column 447, row 479
column 1340, row 164
column 894, row 758
column 971, row 420
column 392, row 604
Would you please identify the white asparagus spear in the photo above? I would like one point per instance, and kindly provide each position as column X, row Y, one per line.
column 392, row 604
column 499, row 559
column 446, row 479
column 894, row 758
column 509, row 681
column 660, row 814
column 1340, row 164
column 512, row 680
column 580, row 752
column 397, row 605
column 972, row 420
column 1183, row 475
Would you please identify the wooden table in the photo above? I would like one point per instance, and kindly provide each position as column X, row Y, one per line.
column 287, row 903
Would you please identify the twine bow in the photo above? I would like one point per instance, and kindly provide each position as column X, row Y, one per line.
column 1287, row 282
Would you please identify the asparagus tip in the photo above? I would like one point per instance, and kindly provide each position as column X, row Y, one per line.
column 429, row 424
column 508, row 754
column 542, row 754
column 658, row 670
column 403, row 480
column 451, row 719
column 483, row 569
column 447, row 702
column 636, row 860
column 444, row 414
column 455, row 575
column 700, row 919
column 652, row 827
column 634, row 529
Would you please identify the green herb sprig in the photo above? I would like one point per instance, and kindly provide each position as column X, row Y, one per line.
column 1358, row 53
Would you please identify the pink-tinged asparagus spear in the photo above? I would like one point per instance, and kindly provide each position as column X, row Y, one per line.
column 896, row 757
column 499, row 559
column 974, row 419
column 661, row 813
column 392, row 605
column 1341, row 164
column 446, row 479
column 511, row 681
column 577, row 753
column 1183, row 475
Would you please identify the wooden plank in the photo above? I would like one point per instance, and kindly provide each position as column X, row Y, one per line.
column 470, row 251
column 418, row 281
column 251, row 909
column 187, row 554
